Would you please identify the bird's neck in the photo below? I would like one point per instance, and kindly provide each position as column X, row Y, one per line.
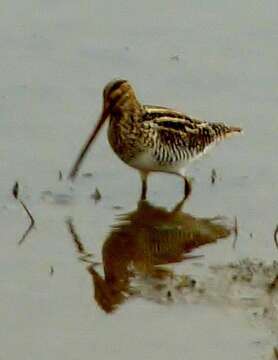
column 124, row 124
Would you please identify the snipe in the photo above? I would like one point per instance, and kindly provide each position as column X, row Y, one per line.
column 152, row 138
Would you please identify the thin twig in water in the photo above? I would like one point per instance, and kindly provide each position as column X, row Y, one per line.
column 235, row 232
column 213, row 176
column 28, row 212
column 96, row 196
column 30, row 227
column 84, row 255
column 276, row 236
column 87, row 175
column 75, row 236
column 32, row 221
column 51, row 271
column 15, row 190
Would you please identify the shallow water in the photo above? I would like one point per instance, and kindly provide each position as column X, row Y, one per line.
column 216, row 61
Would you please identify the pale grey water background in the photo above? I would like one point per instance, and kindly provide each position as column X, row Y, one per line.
column 56, row 56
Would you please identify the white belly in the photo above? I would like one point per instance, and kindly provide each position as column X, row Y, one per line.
column 146, row 162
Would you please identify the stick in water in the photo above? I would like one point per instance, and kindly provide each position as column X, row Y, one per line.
column 32, row 221
column 276, row 236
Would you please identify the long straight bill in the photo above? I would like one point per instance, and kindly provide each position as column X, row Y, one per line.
column 87, row 145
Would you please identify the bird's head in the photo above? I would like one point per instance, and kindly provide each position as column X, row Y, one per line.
column 118, row 98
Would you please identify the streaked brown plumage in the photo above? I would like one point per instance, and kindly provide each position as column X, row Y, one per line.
column 152, row 138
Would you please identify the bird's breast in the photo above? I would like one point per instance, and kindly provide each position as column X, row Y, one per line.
column 124, row 138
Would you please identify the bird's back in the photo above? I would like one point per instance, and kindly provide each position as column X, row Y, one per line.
column 177, row 138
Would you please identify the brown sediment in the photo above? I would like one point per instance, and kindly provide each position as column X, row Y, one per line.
column 274, row 284
column 32, row 221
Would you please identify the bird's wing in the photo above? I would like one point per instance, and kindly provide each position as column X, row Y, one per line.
column 163, row 114
column 171, row 123
column 179, row 129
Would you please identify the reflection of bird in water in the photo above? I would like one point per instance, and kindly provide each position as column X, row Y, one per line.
column 143, row 239
column 152, row 138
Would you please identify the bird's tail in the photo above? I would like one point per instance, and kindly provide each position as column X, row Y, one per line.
column 232, row 130
column 222, row 130
column 235, row 129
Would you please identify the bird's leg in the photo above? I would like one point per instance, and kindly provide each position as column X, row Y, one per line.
column 144, row 176
column 179, row 206
column 187, row 188
column 187, row 192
